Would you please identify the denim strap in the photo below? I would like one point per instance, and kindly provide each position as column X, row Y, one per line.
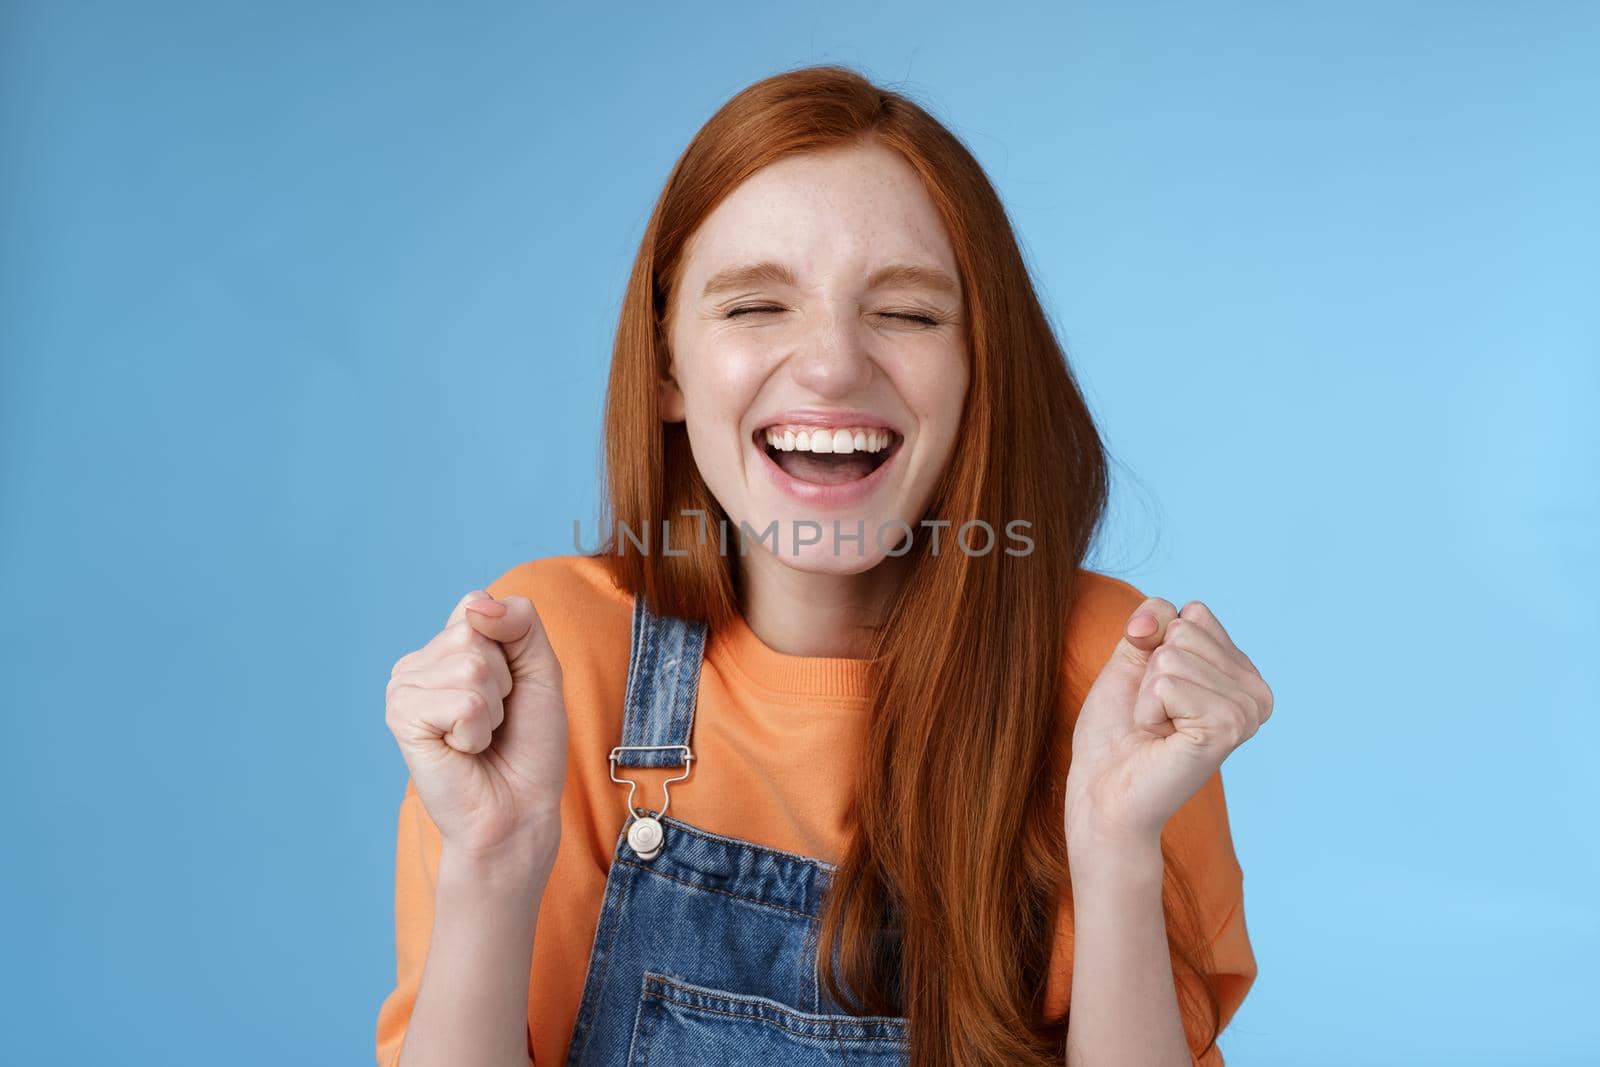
column 663, row 682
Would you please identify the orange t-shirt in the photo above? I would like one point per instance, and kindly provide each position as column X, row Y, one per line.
column 775, row 737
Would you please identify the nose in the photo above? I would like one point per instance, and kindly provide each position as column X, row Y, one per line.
column 832, row 360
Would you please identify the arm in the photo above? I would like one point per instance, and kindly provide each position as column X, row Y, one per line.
column 1175, row 697
column 1124, row 1003
column 472, row 1004
column 479, row 830
column 464, row 934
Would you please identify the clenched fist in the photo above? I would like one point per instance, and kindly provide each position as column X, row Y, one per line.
column 479, row 717
column 1175, row 698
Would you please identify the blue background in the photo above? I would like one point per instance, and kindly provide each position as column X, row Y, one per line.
column 306, row 317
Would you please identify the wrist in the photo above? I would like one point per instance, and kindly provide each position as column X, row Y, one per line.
column 513, row 872
column 1091, row 830
column 1116, row 854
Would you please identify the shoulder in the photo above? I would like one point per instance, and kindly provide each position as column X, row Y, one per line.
column 1099, row 595
column 1100, row 608
column 579, row 605
column 569, row 579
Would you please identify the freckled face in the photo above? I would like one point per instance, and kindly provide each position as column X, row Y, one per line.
column 819, row 356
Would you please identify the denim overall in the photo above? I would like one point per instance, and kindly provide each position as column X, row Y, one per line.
column 705, row 953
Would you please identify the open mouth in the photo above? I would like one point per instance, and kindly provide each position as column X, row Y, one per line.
column 827, row 455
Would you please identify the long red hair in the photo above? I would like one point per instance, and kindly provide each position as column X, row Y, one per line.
column 943, row 909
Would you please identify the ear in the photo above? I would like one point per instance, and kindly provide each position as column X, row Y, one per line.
column 669, row 399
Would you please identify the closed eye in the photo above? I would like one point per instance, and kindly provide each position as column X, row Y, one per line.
column 758, row 309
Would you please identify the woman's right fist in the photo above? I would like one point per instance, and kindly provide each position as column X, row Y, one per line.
column 479, row 717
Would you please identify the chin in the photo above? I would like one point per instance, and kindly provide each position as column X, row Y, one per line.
column 821, row 559
column 823, row 556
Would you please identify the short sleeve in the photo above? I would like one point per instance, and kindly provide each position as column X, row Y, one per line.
column 415, row 877
column 416, row 874
column 1198, row 837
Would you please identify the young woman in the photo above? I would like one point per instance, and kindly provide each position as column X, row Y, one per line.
column 929, row 780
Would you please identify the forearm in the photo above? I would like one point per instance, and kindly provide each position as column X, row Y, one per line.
column 472, row 1001
column 1124, row 1007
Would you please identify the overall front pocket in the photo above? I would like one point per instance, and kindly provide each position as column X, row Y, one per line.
column 679, row 1024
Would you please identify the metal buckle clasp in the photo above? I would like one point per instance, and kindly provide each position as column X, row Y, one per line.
column 644, row 830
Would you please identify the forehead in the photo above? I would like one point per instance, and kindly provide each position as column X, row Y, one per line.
column 850, row 209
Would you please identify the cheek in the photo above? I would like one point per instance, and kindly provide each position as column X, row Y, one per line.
column 935, row 389
column 719, row 382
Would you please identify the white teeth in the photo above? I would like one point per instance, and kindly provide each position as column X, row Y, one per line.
column 826, row 439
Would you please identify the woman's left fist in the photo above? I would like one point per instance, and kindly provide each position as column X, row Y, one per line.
column 1175, row 698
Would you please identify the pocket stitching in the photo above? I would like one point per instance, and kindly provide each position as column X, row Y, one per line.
column 767, row 1010
column 755, row 901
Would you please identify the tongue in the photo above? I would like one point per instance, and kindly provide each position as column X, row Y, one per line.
column 826, row 469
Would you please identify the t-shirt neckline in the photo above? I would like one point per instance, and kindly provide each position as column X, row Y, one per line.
column 839, row 678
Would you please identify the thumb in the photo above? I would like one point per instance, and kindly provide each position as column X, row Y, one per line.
column 513, row 622
column 1143, row 632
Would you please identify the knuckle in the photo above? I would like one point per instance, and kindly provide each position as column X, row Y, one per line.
column 394, row 715
column 1236, row 733
column 476, row 669
column 1179, row 657
column 474, row 706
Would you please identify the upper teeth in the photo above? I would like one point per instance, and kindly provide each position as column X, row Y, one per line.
column 828, row 439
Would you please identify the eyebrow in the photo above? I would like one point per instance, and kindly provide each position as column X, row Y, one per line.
column 740, row 277
column 896, row 275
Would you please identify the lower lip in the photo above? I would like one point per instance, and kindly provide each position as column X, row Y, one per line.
column 828, row 496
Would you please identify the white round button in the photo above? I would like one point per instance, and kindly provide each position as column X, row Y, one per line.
column 644, row 837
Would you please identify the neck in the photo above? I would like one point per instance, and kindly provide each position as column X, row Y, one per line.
column 803, row 614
